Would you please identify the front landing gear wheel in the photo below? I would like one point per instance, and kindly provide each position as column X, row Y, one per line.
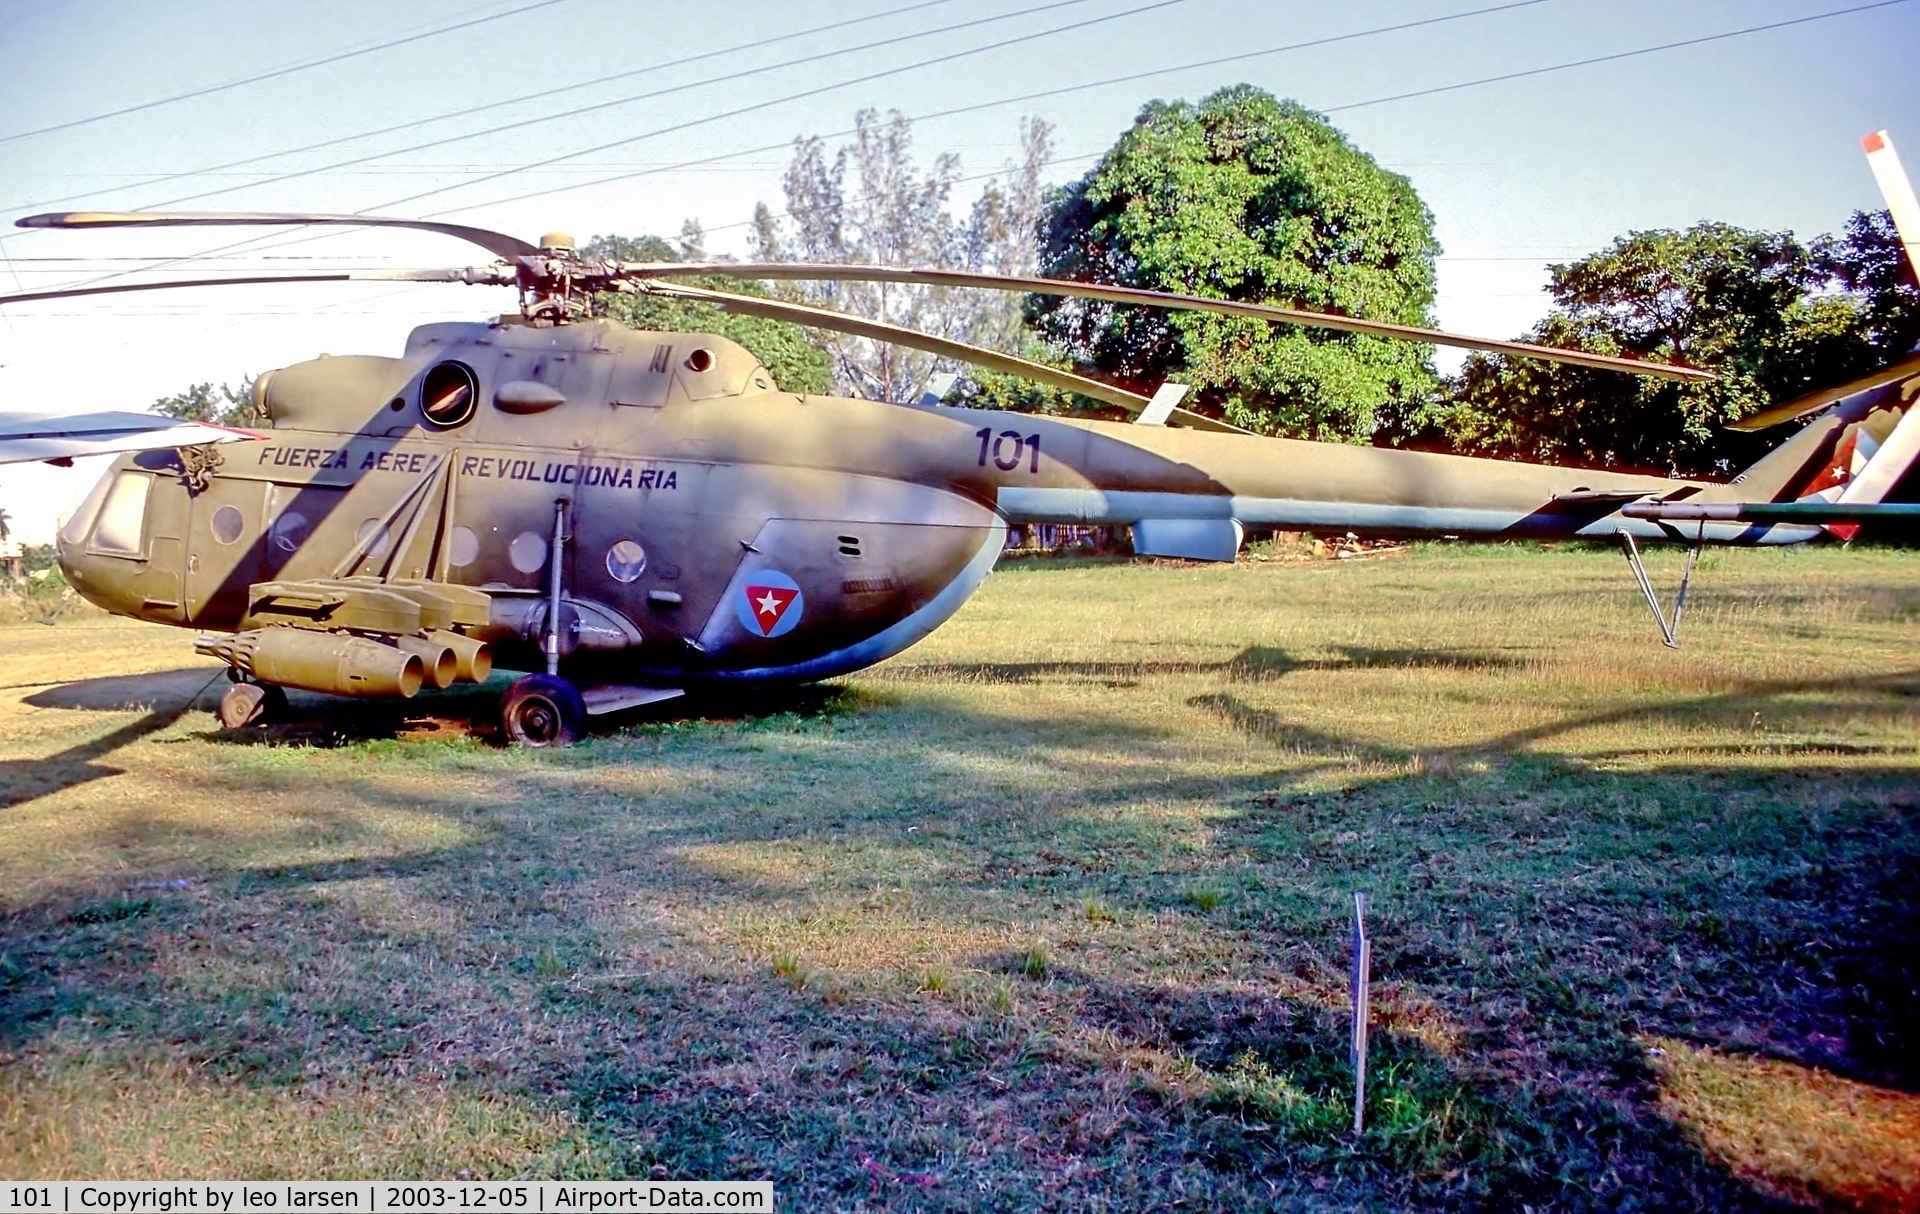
column 543, row 710
column 247, row 704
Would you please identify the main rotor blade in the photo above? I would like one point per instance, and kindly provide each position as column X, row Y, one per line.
column 497, row 243
column 475, row 276
column 821, row 318
column 1813, row 402
column 822, row 272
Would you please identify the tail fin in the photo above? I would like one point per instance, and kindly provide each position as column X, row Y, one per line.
column 1870, row 436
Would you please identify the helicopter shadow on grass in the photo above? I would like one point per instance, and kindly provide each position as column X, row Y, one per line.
column 323, row 721
column 1252, row 664
column 709, row 1075
column 167, row 696
column 1869, row 976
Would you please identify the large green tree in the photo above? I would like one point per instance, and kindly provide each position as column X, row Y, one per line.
column 1773, row 316
column 1243, row 196
column 798, row 363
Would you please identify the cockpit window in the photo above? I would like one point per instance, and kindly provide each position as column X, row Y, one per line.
column 449, row 395
column 123, row 515
column 82, row 520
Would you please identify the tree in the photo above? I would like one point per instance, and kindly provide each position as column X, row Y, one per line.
column 6, row 526
column 1774, row 317
column 1246, row 197
column 797, row 362
column 869, row 204
column 1872, row 266
column 221, row 406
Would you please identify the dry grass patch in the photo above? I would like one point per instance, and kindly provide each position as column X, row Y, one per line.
column 1798, row 1131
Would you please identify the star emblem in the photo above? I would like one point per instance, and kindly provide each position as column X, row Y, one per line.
column 771, row 607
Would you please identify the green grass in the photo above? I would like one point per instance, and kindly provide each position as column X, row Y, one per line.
column 1048, row 912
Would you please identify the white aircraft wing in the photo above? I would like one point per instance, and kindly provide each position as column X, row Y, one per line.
column 31, row 436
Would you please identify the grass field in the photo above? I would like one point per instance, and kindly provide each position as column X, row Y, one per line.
column 1049, row 912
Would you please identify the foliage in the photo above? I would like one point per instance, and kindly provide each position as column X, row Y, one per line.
column 221, row 406
column 1871, row 265
column 869, row 204
column 1774, row 317
column 41, row 595
column 797, row 362
column 1246, row 197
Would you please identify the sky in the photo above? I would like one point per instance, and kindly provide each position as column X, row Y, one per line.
column 613, row 116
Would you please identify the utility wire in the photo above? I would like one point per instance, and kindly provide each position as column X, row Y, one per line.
column 618, row 101
column 492, row 105
column 1352, row 105
column 277, row 72
column 950, row 57
column 1035, row 96
column 837, row 84
column 1648, row 50
column 1130, row 77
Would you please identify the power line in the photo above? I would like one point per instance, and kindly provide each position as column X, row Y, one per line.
column 935, row 61
column 619, row 101
column 275, row 73
column 838, row 84
column 1134, row 76
column 1035, row 96
column 1646, row 50
column 494, row 105
column 1673, row 45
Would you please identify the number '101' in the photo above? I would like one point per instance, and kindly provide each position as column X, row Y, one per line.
column 1007, row 448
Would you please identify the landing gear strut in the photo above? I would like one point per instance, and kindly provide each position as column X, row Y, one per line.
column 1669, row 628
column 543, row 710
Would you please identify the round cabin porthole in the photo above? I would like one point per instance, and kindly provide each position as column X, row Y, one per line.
column 226, row 524
column 700, row 360
column 528, row 552
column 375, row 537
column 449, row 395
column 626, row 561
column 289, row 532
column 463, row 547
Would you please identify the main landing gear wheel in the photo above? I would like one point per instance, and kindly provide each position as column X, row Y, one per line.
column 247, row 704
column 543, row 710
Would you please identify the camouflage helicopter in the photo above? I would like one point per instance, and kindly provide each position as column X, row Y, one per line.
column 628, row 515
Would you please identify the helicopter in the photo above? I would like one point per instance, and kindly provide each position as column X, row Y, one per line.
column 627, row 515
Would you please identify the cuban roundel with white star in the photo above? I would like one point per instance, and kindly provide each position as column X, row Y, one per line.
column 769, row 603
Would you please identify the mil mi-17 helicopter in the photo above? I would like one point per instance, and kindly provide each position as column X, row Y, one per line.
column 628, row 515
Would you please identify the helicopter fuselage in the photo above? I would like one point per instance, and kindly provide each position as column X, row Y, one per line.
column 694, row 522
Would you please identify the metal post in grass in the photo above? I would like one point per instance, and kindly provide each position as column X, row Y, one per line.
column 1362, row 975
